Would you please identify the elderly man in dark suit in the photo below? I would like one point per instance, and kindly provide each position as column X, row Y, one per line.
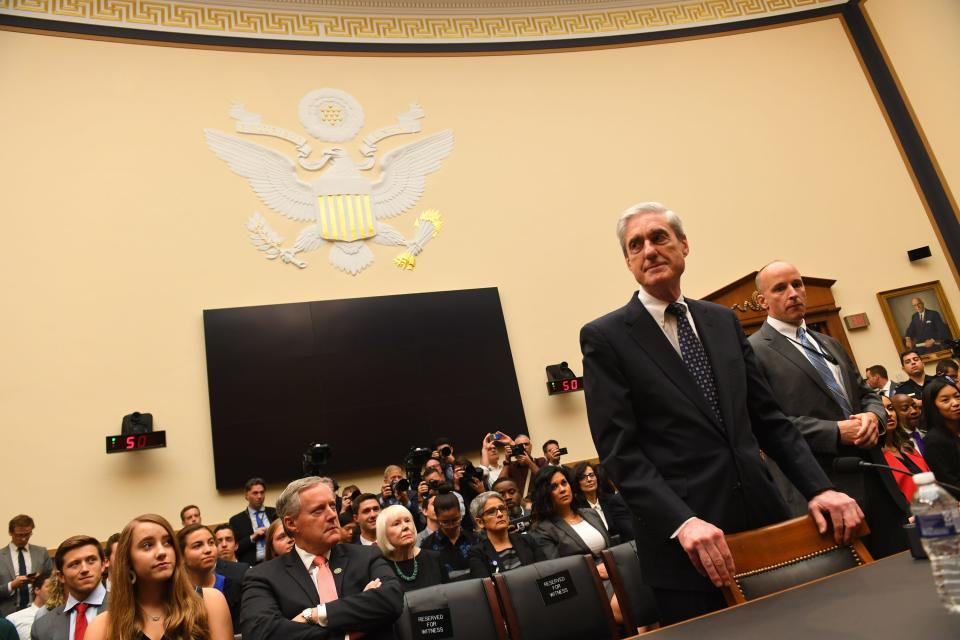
column 822, row 393
column 321, row 589
column 679, row 411
column 18, row 562
column 927, row 331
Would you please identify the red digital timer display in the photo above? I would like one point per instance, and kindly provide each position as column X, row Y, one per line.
column 136, row 442
column 555, row 387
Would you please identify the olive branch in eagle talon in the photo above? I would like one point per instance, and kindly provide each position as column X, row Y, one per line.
column 343, row 207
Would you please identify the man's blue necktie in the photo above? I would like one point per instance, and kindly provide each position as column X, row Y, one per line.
column 695, row 358
column 261, row 522
column 820, row 364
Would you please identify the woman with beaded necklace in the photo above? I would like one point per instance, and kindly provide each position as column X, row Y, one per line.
column 416, row 568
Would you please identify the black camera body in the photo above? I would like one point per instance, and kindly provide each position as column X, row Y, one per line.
column 518, row 450
column 413, row 464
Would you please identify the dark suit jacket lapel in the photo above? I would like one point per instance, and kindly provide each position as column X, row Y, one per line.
column 785, row 348
column 650, row 337
column 338, row 565
column 298, row 572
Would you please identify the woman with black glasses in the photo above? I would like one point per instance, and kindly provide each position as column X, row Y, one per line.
column 500, row 550
column 591, row 490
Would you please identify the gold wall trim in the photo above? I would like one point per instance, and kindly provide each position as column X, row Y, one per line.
column 487, row 23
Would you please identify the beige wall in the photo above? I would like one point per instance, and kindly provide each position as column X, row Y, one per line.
column 121, row 226
column 922, row 41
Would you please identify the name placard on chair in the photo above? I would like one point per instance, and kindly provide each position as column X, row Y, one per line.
column 433, row 624
column 557, row 587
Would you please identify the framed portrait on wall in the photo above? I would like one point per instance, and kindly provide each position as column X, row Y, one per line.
column 920, row 318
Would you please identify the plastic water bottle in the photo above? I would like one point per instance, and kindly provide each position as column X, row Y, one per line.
column 938, row 521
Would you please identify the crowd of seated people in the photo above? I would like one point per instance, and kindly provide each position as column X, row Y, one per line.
column 363, row 550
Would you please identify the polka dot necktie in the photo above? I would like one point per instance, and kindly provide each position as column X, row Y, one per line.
column 695, row 358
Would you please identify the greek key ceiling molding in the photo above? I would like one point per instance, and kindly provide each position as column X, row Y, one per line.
column 413, row 22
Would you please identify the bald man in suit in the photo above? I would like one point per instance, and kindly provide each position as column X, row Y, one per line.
column 822, row 393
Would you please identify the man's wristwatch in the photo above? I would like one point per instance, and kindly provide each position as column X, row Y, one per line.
column 310, row 615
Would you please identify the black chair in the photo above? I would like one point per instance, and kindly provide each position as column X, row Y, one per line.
column 636, row 599
column 556, row 599
column 467, row 609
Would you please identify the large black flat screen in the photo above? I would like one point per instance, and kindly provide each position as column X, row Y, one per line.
column 369, row 376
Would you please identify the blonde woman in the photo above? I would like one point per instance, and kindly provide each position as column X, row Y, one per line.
column 416, row 568
column 151, row 596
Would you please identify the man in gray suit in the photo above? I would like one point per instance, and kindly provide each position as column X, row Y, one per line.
column 20, row 563
column 822, row 393
column 79, row 562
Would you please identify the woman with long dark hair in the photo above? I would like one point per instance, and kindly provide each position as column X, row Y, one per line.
column 592, row 490
column 151, row 597
column 941, row 414
column 560, row 527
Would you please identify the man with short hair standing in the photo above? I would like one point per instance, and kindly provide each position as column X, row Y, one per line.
column 821, row 392
column 551, row 452
column 20, row 562
column 190, row 514
column 366, row 508
column 877, row 379
column 79, row 562
column 917, row 378
column 321, row 589
column 250, row 525
column 679, row 411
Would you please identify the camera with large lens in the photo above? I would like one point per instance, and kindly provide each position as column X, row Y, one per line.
column 518, row 450
column 470, row 471
column 413, row 464
column 445, row 451
column 316, row 458
column 399, row 486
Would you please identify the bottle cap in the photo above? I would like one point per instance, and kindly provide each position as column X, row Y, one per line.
column 924, row 478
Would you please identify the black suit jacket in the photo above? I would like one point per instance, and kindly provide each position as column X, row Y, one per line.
column 243, row 529
column 942, row 453
column 932, row 326
column 276, row 591
column 815, row 413
column 484, row 558
column 664, row 447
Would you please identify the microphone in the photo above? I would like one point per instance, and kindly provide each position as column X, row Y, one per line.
column 854, row 465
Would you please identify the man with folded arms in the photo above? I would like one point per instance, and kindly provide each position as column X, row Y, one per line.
column 322, row 589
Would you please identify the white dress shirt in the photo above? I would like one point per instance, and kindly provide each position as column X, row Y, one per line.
column 666, row 321
column 95, row 600
column 261, row 552
column 23, row 620
column 789, row 331
column 307, row 558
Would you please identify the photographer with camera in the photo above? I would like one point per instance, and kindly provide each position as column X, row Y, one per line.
column 467, row 480
column 492, row 462
column 552, row 452
column 520, row 466
column 518, row 515
column 396, row 490
column 443, row 453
